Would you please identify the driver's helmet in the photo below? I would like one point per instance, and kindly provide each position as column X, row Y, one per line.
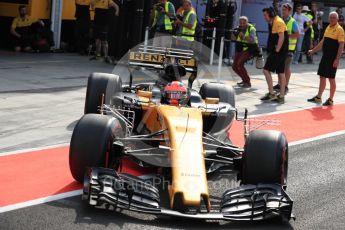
column 175, row 93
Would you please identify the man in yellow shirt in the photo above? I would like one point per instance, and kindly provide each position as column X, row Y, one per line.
column 332, row 45
column 101, row 21
column 278, row 48
column 21, row 30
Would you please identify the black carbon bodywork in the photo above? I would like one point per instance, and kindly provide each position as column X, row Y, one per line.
column 104, row 186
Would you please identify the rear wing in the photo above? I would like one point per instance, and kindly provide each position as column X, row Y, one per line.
column 159, row 57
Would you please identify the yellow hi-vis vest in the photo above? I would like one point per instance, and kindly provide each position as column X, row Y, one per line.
column 246, row 35
column 167, row 21
column 187, row 31
column 292, row 41
column 310, row 16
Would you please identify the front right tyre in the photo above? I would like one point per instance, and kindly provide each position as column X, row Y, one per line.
column 91, row 143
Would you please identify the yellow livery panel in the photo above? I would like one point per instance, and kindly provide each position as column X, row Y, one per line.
column 159, row 59
column 187, row 158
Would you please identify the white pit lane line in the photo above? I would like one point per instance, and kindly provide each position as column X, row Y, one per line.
column 33, row 149
column 40, row 201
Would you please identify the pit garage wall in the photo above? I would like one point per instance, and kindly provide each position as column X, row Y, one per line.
column 41, row 9
column 36, row 8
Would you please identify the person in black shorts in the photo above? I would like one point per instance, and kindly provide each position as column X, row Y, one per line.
column 332, row 45
column 278, row 48
column 101, row 21
column 82, row 25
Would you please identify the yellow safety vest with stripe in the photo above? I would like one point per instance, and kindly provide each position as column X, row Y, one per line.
column 310, row 16
column 243, row 41
column 187, row 31
column 167, row 22
column 292, row 41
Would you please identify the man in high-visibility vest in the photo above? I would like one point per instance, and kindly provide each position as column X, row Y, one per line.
column 180, row 10
column 163, row 13
column 245, row 37
column 186, row 25
column 309, row 34
column 294, row 34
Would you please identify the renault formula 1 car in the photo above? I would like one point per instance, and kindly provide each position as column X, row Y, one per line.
column 180, row 136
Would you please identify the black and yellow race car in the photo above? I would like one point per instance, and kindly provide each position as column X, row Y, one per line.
column 179, row 135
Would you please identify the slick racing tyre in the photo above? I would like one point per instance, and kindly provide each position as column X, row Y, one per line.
column 225, row 93
column 218, row 126
column 265, row 158
column 100, row 84
column 91, row 143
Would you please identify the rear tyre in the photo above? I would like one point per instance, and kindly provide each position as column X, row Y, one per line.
column 215, row 125
column 265, row 158
column 97, row 85
column 225, row 93
column 91, row 143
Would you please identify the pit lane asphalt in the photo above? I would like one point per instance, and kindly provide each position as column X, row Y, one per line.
column 316, row 183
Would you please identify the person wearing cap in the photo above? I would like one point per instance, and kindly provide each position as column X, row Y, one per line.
column 245, row 38
column 82, row 25
column 308, row 34
column 301, row 20
column 162, row 25
column 278, row 48
column 332, row 45
column 293, row 32
column 101, row 23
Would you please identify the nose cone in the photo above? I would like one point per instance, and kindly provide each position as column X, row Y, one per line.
column 189, row 180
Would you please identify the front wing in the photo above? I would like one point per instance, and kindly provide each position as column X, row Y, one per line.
column 106, row 187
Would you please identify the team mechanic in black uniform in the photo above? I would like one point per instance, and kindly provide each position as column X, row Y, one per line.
column 100, row 29
column 332, row 45
column 278, row 48
column 82, row 25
